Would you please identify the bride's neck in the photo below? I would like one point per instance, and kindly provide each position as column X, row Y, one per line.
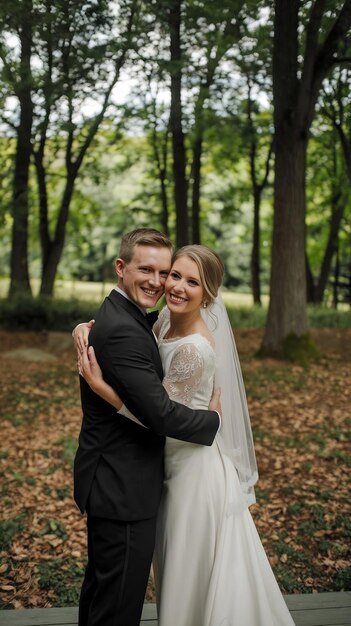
column 183, row 325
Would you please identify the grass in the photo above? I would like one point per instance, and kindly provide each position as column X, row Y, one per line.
column 267, row 381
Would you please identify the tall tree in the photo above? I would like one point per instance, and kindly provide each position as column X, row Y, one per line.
column 328, row 203
column 75, row 58
column 258, row 187
column 19, row 20
column 200, row 36
column 194, row 68
column 71, row 32
column 296, row 86
column 212, row 32
column 336, row 109
column 176, row 123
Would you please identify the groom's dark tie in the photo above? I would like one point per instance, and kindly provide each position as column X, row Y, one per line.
column 151, row 317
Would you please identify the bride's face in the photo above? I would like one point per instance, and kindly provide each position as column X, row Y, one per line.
column 183, row 288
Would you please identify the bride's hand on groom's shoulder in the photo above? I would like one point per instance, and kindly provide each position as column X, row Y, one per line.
column 80, row 335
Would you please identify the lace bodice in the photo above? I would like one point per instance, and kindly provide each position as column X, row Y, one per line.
column 188, row 364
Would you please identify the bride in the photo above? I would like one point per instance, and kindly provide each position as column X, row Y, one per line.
column 209, row 563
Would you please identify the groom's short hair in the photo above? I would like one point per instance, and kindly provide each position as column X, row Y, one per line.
column 142, row 237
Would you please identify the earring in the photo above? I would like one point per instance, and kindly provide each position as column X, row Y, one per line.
column 204, row 304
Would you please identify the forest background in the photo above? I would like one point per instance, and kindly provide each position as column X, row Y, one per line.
column 227, row 124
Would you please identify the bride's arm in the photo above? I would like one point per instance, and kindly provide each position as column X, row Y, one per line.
column 91, row 372
column 89, row 367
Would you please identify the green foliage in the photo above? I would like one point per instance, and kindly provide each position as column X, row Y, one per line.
column 55, row 527
column 247, row 317
column 337, row 455
column 64, row 578
column 323, row 317
column 63, row 492
column 342, row 580
column 69, row 448
column 10, row 528
column 257, row 383
column 318, row 316
column 299, row 349
column 43, row 313
column 296, row 349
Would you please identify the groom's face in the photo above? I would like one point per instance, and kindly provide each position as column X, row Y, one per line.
column 144, row 277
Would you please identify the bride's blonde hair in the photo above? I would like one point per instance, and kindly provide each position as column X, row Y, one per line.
column 210, row 266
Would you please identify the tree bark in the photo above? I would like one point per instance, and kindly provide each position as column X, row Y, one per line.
column 257, row 189
column 294, row 106
column 178, row 142
column 331, row 247
column 287, row 308
column 160, row 155
column 336, row 281
column 310, row 286
column 255, row 252
column 196, row 190
column 19, row 281
column 53, row 248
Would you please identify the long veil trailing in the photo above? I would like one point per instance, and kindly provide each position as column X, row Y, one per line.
column 235, row 433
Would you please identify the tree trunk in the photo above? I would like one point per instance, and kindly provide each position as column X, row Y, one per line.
column 164, row 201
column 196, row 178
column 19, row 281
column 255, row 253
column 178, row 143
column 310, row 286
column 53, row 249
column 294, row 105
column 287, row 309
column 332, row 246
column 257, row 189
column 336, row 280
column 160, row 155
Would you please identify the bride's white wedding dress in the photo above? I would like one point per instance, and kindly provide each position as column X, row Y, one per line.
column 210, row 566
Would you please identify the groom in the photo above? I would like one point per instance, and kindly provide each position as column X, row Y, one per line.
column 118, row 469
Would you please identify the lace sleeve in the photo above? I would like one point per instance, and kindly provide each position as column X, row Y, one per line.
column 162, row 323
column 184, row 375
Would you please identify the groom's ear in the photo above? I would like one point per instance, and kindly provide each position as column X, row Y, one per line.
column 119, row 267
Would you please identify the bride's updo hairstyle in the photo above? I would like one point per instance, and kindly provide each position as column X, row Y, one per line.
column 210, row 266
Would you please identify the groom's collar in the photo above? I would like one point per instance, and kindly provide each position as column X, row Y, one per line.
column 123, row 293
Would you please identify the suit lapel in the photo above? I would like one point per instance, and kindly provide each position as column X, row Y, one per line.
column 117, row 299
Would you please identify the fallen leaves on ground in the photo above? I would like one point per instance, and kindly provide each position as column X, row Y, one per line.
column 301, row 420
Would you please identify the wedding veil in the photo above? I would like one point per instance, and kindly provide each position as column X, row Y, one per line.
column 235, row 432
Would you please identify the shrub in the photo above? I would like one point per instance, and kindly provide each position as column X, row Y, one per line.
column 44, row 313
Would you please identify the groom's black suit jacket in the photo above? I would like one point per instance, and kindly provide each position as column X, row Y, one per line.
column 118, row 469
